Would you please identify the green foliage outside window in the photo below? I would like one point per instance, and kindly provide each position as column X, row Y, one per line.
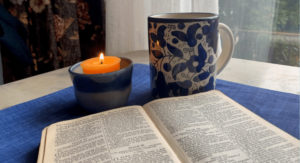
column 265, row 30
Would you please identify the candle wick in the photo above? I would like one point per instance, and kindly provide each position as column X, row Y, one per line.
column 101, row 62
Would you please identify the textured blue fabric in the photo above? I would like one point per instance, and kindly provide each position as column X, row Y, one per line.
column 21, row 125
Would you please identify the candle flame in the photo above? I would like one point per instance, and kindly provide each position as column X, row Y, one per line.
column 157, row 42
column 101, row 58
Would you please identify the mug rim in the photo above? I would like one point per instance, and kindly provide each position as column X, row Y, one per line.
column 182, row 17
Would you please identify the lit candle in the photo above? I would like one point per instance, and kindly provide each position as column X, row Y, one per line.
column 101, row 64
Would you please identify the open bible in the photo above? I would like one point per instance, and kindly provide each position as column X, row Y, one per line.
column 205, row 127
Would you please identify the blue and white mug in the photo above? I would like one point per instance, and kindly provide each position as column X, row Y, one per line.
column 186, row 52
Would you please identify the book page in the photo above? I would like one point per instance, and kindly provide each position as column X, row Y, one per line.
column 119, row 135
column 42, row 146
column 210, row 127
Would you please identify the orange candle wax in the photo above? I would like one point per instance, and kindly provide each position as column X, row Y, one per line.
column 101, row 64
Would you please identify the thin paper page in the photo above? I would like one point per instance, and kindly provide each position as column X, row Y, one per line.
column 42, row 146
column 119, row 135
column 210, row 127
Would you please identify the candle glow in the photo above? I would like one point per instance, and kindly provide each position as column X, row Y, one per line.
column 97, row 65
column 101, row 58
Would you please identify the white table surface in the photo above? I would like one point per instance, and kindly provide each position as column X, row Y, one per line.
column 264, row 75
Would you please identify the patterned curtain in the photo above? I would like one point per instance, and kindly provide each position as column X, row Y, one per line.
column 58, row 33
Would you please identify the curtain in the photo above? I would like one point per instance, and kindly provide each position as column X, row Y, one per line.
column 58, row 33
column 1, row 71
column 265, row 30
column 126, row 23
column 251, row 23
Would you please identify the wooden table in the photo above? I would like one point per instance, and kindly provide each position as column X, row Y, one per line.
column 259, row 74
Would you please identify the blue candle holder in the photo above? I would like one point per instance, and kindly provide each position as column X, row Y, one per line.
column 100, row 92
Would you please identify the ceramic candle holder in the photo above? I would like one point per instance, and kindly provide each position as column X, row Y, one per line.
column 100, row 92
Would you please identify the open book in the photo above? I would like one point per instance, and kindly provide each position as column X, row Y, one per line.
column 205, row 127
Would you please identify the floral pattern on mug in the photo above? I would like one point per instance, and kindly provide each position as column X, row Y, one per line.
column 182, row 57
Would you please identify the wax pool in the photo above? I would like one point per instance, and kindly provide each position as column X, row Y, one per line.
column 96, row 66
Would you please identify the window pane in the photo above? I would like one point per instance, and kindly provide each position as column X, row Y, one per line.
column 265, row 30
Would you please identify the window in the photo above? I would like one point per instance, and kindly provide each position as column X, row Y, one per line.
column 265, row 30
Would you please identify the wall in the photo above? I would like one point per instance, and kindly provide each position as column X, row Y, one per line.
column 126, row 21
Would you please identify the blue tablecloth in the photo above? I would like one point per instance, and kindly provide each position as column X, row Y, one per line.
column 21, row 125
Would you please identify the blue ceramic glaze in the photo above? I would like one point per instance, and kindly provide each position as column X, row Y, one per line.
column 182, row 51
column 100, row 92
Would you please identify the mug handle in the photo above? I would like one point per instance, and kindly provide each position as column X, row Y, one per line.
column 227, row 44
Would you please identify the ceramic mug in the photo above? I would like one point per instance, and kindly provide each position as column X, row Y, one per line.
column 186, row 52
